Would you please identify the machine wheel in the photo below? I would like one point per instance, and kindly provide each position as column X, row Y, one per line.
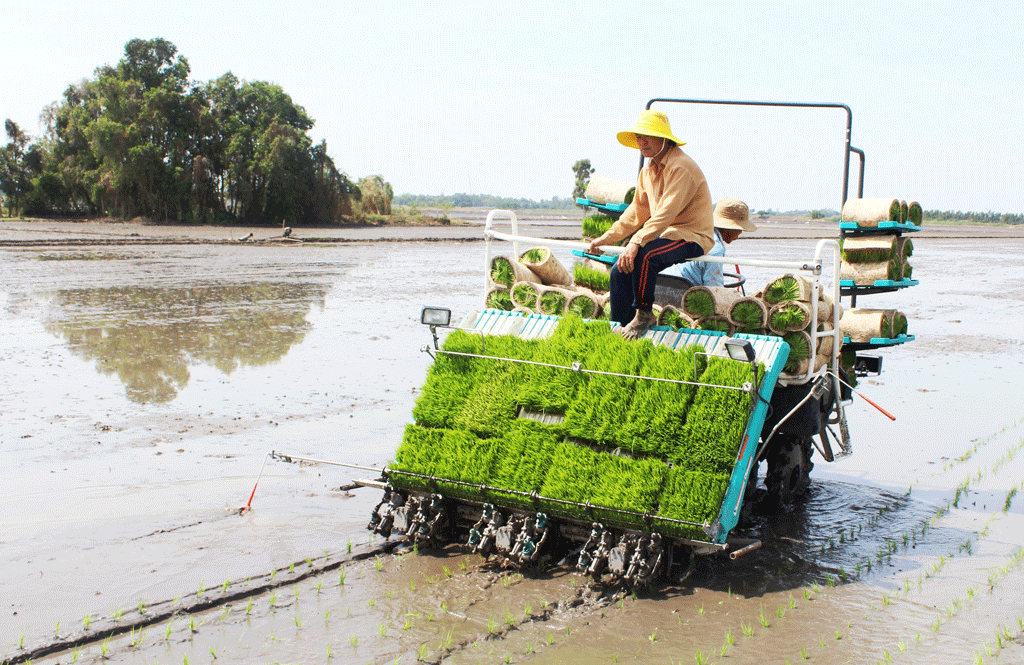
column 789, row 468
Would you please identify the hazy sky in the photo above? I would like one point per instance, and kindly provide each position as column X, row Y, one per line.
column 502, row 98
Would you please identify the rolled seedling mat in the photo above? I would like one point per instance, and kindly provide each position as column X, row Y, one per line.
column 908, row 270
column 868, row 213
column 674, row 318
column 862, row 324
column 870, row 249
column 748, row 312
column 718, row 322
column 914, row 213
column 608, row 191
column 553, row 299
column 799, row 367
column 525, row 294
column 787, row 287
column 799, row 344
column 583, row 303
column 788, row 316
column 899, row 324
column 506, row 272
column 866, row 274
column 904, row 211
column 703, row 301
column 904, row 248
column 541, row 261
column 826, row 343
column 499, row 298
column 826, row 305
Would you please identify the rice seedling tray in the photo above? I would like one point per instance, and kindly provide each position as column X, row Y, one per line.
column 847, row 287
column 615, row 208
column 610, row 259
column 876, row 342
column 883, row 227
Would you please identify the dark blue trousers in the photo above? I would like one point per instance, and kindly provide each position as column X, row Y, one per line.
column 633, row 291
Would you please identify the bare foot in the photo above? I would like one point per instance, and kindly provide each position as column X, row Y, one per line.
column 638, row 326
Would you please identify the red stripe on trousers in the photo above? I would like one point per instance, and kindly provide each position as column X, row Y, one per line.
column 645, row 267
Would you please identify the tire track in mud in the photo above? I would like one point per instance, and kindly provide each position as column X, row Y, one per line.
column 103, row 628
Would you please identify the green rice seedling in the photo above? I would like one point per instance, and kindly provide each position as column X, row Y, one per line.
column 192, row 625
column 729, row 639
column 714, row 323
column 528, row 610
column 201, row 590
column 348, row 548
column 329, row 647
column 764, row 619
column 296, row 593
column 698, row 303
column 447, row 572
column 407, row 625
column 21, row 641
column 700, row 611
column 298, row 622
column 248, row 607
column 807, row 594
column 167, row 633
column 790, row 316
column 839, row 635
column 551, row 302
column 748, row 315
column 591, row 278
column 74, row 655
column 524, row 294
column 272, row 574
column 86, row 620
column 534, row 255
column 510, row 620
column 327, row 614
column 56, row 631
column 699, row 658
column 500, row 299
column 291, row 568
column 341, row 577
column 354, row 641
column 104, row 647
column 780, row 612
column 582, row 306
column 118, row 613
column 491, row 625
column 792, row 602
column 551, row 639
column 716, row 420
column 319, row 586
column 382, row 629
column 653, row 637
column 803, row 653
column 658, row 410
column 781, row 290
column 273, row 597
column 748, row 629
column 502, row 271
column 595, row 225
column 421, row 653
column 379, row 563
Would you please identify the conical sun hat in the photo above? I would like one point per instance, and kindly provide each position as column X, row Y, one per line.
column 650, row 123
column 732, row 213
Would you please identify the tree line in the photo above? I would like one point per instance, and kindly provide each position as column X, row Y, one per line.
column 141, row 139
column 480, row 201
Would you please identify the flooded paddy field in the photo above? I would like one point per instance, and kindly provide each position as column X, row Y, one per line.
column 143, row 387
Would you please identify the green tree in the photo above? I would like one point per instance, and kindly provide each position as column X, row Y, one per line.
column 14, row 180
column 583, row 170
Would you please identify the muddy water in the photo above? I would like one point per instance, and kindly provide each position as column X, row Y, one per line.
column 143, row 387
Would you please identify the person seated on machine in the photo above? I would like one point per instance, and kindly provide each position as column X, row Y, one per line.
column 731, row 218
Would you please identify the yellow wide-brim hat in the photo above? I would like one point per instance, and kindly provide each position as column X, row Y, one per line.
column 650, row 123
column 732, row 213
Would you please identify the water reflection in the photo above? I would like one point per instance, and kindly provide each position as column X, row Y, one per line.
column 148, row 337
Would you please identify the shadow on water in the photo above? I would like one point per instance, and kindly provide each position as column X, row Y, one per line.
column 149, row 337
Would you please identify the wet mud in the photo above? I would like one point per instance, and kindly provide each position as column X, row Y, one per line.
column 143, row 387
